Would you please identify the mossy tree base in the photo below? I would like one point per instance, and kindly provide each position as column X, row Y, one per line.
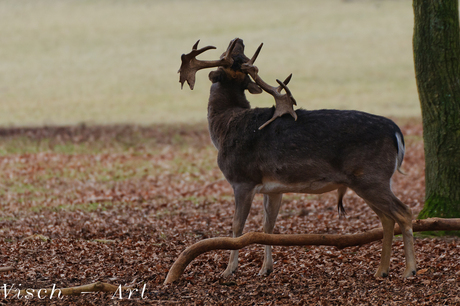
column 440, row 207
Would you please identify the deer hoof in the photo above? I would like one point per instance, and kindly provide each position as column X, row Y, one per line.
column 380, row 273
column 227, row 272
column 409, row 273
column 265, row 271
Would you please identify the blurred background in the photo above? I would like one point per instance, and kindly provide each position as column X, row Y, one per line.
column 65, row 62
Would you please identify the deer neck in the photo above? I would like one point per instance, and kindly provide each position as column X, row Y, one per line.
column 224, row 106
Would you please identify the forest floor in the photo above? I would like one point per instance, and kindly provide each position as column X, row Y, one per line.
column 118, row 204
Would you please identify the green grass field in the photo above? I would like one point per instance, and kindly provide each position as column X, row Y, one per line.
column 100, row 62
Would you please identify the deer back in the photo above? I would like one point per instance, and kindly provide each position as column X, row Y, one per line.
column 327, row 145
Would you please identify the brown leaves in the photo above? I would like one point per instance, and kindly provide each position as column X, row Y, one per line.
column 119, row 204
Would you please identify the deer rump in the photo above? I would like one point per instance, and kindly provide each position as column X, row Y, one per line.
column 321, row 151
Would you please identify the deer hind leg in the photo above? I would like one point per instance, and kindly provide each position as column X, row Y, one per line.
column 404, row 219
column 243, row 200
column 388, row 225
column 272, row 203
column 390, row 210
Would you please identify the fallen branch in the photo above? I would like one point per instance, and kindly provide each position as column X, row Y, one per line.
column 6, row 269
column 340, row 241
column 56, row 292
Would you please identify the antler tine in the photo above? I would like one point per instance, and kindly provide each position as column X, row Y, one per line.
column 286, row 81
column 249, row 67
column 190, row 65
column 196, row 52
column 256, row 54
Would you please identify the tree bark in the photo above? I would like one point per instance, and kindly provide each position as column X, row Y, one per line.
column 340, row 241
column 436, row 44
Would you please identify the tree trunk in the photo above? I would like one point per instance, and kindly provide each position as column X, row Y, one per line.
column 436, row 45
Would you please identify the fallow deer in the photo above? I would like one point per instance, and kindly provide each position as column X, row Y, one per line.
column 266, row 151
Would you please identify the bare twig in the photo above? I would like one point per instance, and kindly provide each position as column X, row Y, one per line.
column 6, row 269
column 340, row 241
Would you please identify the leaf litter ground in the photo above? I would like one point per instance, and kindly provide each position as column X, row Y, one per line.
column 118, row 204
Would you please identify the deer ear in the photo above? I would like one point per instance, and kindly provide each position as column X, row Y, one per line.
column 254, row 88
column 215, row 76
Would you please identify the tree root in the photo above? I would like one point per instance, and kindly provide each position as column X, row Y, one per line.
column 340, row 241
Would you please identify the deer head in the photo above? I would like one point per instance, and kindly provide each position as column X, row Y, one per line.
column 233, row 60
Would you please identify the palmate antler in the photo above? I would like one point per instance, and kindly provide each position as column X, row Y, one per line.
column 190, row 65
column 284, row 102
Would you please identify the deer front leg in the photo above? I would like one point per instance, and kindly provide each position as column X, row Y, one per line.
column 272, row 204
column 243, row 199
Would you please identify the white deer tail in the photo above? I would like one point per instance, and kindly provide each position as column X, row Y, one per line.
column 401, row 150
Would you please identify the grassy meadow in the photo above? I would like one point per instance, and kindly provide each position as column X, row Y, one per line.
column 103, row 62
